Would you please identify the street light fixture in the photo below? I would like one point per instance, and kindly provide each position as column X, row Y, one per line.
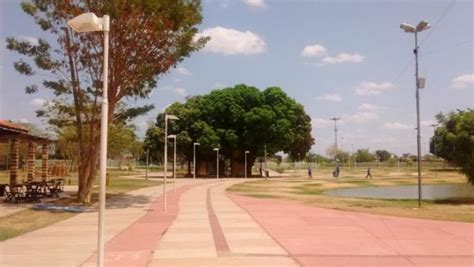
column 89, row 22
column 194, row 159
column 165, row 169
column 420, row 83
column 174, row 161
column 246, row 152
column 217, row 161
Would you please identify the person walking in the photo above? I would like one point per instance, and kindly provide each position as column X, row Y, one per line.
column 369, row 174
column 310, row 175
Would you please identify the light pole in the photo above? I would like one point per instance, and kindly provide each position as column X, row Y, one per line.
column 174, row 161
column 194, row 160
column 165, row 168
column 265, row 157
column 434, row 125
column 89, row 22
column 246, row 152
column 420, row 83
column 335, row 135
column 146, row 166
column 217, row 162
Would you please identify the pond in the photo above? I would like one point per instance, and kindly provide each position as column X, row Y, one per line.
column 429, row 192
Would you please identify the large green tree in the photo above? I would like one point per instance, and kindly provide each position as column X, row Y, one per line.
column 364, row 155
column 383, row 155
column 454, row 140
column 147, row 38
column 237, row 119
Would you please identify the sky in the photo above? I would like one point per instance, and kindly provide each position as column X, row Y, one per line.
column 346, row 59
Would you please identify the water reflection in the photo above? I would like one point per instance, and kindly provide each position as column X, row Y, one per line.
column 429, row 192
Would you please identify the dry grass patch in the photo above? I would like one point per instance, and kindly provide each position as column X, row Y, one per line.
column 311, row 192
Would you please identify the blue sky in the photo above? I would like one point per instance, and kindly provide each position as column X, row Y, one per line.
column 338, row 58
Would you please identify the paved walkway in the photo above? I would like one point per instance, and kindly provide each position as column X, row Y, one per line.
column 205, row 226
column 324, row 237
column 211, row 230
column 71, row 242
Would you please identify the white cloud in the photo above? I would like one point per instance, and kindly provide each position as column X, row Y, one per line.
column 180, row 91
column 320, row 123
column 463, row 81
column 344, row 58
column 363, row 116
column 255, row 3
column 183, row 71
column 427, row 123
column 397, row 126
column 32, row 40
column 24, row 120
column 330, row 97
column 368, row 107
column 373, row 88
column 232, row 42
column 37, row 102
column 313, row 51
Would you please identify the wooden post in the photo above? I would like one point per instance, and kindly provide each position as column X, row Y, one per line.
column 14, row 154
column 31, row 161
column 44, row 162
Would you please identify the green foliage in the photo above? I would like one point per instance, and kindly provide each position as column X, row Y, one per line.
column 383, row 155
column 72, row 66
column 454, row 139
column 341, row 155
column 363, row 155
column 237, row 119
column 122, row 141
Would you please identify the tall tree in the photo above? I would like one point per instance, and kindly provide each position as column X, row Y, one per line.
column 454, row 140
column 241, row 118
column 383, row 155
column 364, row 155
column 147, row 38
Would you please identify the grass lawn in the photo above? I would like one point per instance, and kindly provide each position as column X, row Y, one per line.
column 311, row 192
column 29, row 220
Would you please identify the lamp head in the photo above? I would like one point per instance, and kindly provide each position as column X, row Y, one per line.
column 197, row 144
column 216, row 149
column 87, row 22
column 407, row 27
column 172, row 136
column 246, row 152
column 423, row 25
column 171, row 117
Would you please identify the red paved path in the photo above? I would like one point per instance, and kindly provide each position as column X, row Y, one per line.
column 134, row 245
column 325, row 237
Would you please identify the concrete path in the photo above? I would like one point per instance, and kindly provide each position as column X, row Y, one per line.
column 211, row 230
column 71, row 242
column 324, row 237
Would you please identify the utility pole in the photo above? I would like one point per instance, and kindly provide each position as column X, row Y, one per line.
column 335, row 146
column 434, row 125
column 335, row 136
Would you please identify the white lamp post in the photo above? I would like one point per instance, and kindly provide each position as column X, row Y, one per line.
column 194, row 160
column 89, row 22
column 174, row 161
column 420, row 82
column 217, row 162
column 246, row 152
column 146, row 164
column 167, row 117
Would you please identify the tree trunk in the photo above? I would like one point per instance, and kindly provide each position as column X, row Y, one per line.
column 88, row 171
column 189, row 168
